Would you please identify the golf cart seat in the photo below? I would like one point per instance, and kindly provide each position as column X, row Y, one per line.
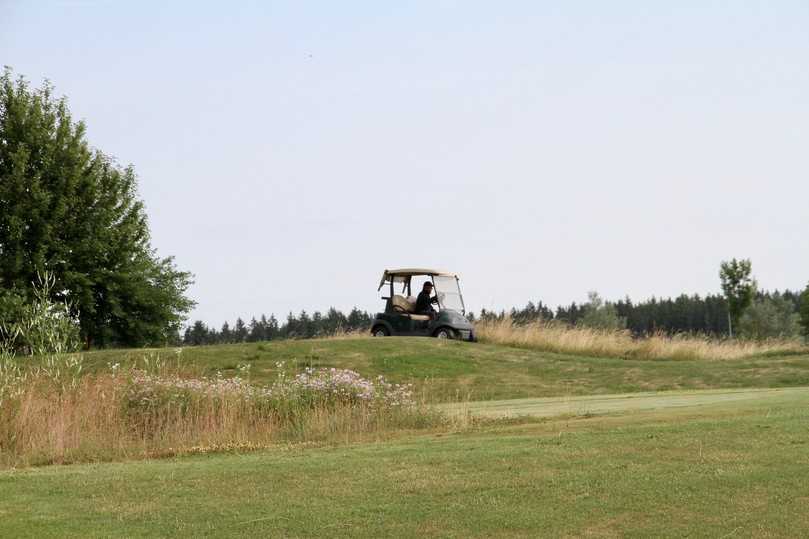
column 401, row 304
column 406, row 306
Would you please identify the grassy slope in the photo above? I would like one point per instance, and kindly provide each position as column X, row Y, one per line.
column 482, row 372
column 739, row 471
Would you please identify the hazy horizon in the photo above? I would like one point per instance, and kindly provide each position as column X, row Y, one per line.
column 288, row 154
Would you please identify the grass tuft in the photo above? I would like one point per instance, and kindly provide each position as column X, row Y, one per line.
column 582, row 341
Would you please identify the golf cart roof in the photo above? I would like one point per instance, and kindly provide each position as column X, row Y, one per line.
column 401, row 275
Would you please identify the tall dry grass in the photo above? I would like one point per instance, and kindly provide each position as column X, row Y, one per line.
column 565, row 339
column 103, row 417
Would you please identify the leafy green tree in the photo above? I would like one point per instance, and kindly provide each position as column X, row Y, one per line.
column 770, row 318
column 601, row 315
column 68, row 209
column 739, row 288
column 804, row 311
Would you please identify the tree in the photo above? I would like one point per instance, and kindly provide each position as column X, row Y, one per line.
column 804, row 311
column 70, row 210
column 256, row 329
column 601, row 315
column 197, row 334
column 769, row 318
column 739, row 289
column 225, row 335
column 240, row 331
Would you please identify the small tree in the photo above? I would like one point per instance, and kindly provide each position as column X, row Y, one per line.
column 739, row 288
column 42, row 326
column 601, row 315
column 240, row 331
column 804, row 311
column 770, row 318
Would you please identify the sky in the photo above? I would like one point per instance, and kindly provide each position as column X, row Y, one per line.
column 289, row 152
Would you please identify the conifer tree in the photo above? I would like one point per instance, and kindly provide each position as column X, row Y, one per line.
column 225, row 335
column 239, row 331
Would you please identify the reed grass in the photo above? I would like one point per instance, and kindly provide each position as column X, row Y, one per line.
column 115, row 415
column 566, row 339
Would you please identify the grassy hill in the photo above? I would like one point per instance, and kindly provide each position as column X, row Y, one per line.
column 730, row 467
column 732, row 471
column 450, row 370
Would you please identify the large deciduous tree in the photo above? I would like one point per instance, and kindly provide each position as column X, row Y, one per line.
column 68, row 209
column 739, row 288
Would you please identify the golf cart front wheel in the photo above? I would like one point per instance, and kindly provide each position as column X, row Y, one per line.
column 380, row 331
column 444, row 333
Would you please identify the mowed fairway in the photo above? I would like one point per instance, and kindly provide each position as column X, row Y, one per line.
column 625, row 402
column 739, row 470
column 565, row 446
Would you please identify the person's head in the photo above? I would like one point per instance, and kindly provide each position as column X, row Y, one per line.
column 428, row 287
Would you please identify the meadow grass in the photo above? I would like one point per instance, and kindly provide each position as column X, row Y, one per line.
column 566, row 339
column 451, row 370
column 735, row 472
column 84, row 419
column 129, row 414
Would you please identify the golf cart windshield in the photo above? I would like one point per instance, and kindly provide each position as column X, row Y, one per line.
column 449, row 293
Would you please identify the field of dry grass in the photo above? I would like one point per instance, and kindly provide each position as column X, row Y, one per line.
column 53, row 416
column 564, row 339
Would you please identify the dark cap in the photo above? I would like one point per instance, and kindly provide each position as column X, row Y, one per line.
column 428, row 283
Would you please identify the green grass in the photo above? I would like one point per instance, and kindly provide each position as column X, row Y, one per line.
column 482, row 372
column 738, row 471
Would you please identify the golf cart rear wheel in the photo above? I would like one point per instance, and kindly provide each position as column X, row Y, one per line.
column 444, row 333
column 380, row 331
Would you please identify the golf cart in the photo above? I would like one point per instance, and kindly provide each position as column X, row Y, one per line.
column 400, row 317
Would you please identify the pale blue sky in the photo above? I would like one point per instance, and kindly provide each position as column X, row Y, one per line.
column 289, row 152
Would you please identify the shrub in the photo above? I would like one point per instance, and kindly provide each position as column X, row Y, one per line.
column 601, row 315
column 770, row 318
column 42, row 326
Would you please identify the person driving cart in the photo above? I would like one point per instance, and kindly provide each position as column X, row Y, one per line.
column 424, row 301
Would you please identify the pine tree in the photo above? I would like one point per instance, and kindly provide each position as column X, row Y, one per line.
column 225, row 335
column 239, row 331
column 272, row 331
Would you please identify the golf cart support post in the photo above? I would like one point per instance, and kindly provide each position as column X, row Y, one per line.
column 400, row 317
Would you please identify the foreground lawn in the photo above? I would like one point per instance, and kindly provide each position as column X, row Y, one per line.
column 737, row 470
column 456, row 370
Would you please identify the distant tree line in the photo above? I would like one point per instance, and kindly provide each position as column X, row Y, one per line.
column 683, row 314
column 743, row 309
column 301, row 326
column 771, row 314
